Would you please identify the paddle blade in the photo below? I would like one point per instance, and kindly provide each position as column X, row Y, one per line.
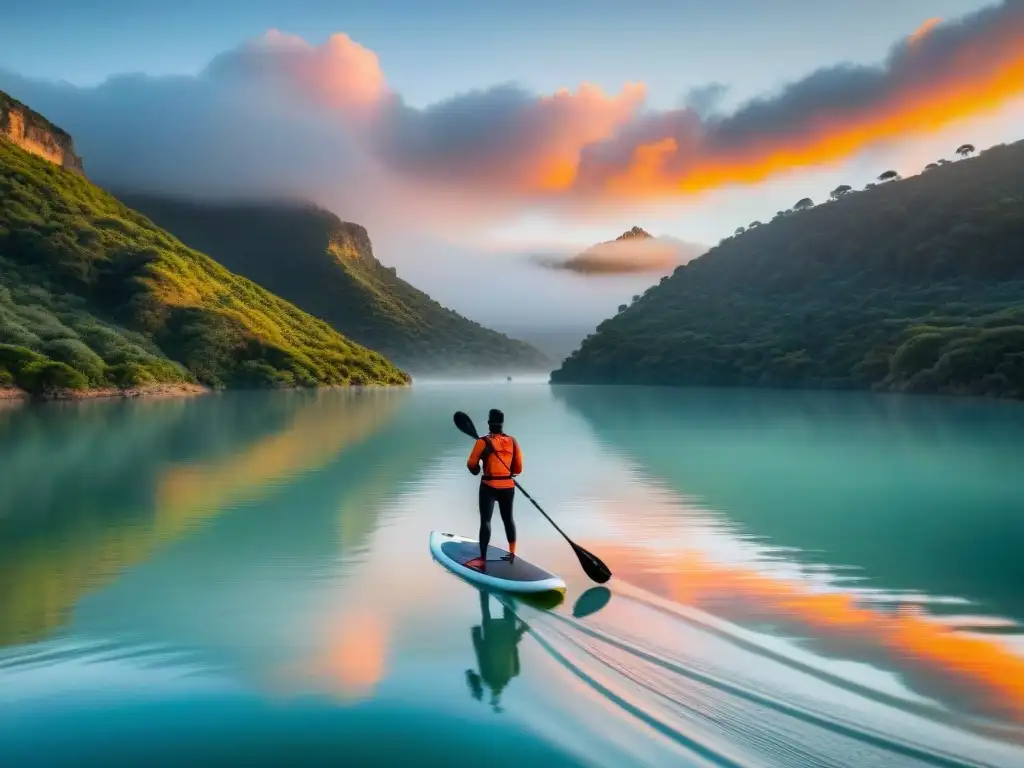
column 592, row 565
column 465, row 424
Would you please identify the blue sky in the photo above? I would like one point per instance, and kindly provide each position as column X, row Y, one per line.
column 431, row 52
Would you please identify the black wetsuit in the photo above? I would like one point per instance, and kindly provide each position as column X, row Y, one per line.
column 504, row 498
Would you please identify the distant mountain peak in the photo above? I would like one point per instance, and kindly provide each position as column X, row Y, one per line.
column 634, row 251
column 634, row 232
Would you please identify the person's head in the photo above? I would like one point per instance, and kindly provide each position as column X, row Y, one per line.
column 495, row 421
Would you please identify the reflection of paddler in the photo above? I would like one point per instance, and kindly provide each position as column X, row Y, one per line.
column 495, row 642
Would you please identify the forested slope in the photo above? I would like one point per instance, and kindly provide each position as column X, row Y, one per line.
column 914, row 285
column 94, row 295
column 327, row 267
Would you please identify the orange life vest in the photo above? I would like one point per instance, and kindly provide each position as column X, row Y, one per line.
column 499, row 453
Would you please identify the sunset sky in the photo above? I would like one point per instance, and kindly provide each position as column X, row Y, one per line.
column 469, row 137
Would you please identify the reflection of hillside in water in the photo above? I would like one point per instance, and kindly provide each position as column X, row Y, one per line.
column 87, row 496
column 916, row 493
column 320, row 428
column 354, row 631
column 283, row 589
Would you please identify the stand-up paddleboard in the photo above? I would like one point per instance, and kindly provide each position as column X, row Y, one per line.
column 516, row 575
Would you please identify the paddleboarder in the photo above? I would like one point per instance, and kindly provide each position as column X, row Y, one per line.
column 591, row 564
column 498, row 453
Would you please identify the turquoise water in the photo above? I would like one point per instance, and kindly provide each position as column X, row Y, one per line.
column 800, row 579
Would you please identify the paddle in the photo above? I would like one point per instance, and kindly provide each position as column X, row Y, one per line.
column 590, row 563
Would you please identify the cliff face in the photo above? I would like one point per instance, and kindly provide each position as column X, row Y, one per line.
column 351, row 241
column 34, row 133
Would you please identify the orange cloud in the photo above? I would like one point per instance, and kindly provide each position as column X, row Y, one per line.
column 924, row 29
column 503, row 143
column 587, row 116
column 583, row 148
column 930, row 89
column 322, row 122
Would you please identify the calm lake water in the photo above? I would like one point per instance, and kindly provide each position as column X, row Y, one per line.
column 800, row 580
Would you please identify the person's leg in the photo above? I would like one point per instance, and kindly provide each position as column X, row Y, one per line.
column 505, row 500
column 487, row 500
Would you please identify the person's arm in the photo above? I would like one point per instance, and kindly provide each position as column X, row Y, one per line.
column 473, row 463
column 517, row 458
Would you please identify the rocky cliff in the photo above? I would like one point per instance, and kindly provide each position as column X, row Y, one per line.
column 34, row 133
column 351, row 241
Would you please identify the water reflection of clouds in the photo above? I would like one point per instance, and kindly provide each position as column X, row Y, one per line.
column 711, row 566
column 976, row 672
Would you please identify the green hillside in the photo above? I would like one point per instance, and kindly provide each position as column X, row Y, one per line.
column 910, row 286
column 93, row 295
column 327, row 267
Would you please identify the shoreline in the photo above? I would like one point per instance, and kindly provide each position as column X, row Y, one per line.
column 14, row 395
